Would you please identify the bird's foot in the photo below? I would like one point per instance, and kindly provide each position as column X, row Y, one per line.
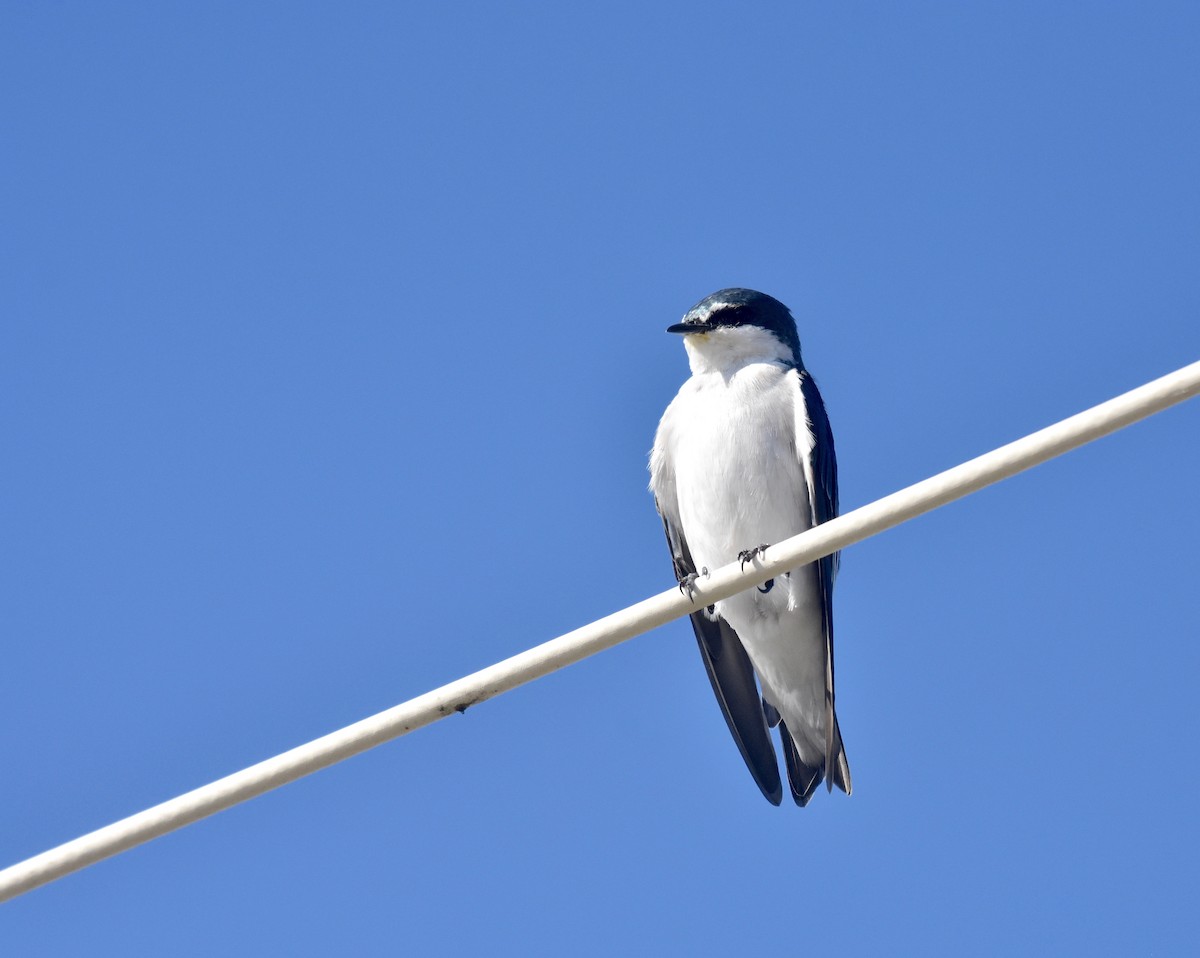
column 687, row 585
column 749, row 555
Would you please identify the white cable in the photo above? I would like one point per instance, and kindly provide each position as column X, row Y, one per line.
column 720, row 584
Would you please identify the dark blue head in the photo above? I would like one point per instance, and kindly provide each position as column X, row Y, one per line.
column 741, row 307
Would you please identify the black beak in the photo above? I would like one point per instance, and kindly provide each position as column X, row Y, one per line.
column 691, row 328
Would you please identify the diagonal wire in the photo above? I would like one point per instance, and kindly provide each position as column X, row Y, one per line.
column 602, row 634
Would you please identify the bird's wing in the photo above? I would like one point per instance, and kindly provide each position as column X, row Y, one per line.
column 732, row 677
column 820, row 468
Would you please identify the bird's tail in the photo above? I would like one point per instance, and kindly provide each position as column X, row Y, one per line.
column 839, row 773
column 804, row 778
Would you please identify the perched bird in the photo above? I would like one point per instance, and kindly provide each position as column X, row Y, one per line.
column 744, row 457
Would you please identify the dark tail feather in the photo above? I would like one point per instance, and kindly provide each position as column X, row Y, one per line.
column 803, row 779
column 840, row 776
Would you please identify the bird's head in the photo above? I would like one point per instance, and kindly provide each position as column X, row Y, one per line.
column 736, row 326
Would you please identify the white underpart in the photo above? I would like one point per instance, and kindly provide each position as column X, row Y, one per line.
column 731, row 468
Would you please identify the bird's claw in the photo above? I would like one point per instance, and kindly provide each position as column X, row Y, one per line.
column 687, row 585
column 749, row 555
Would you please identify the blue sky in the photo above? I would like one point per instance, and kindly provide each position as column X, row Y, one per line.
column 333, row 351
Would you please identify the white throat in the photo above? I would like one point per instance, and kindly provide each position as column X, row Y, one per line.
column 729, row 348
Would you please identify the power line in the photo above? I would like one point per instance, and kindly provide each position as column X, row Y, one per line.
column 602, row 634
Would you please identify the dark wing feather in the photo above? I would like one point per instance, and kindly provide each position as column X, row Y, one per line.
column 825, row 505
column 732, row 677
column 824, row 456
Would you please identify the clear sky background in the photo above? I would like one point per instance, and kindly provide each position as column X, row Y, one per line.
column 333, row 347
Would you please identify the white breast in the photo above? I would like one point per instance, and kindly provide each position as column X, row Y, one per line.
column 738, row 478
